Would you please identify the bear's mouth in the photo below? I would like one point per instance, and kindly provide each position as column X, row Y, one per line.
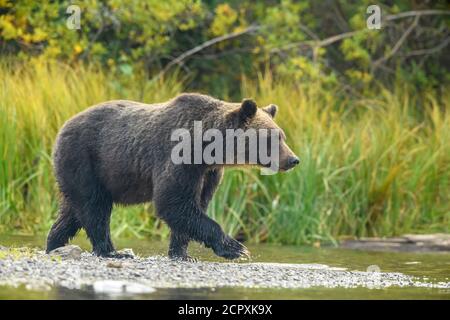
column 278, row 167
column 287, row 168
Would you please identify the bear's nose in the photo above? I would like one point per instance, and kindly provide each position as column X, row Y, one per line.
column 293, row 161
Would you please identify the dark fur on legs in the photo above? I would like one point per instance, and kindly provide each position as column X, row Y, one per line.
column 92, row 214
column 211, row 181
column 179, row 241
column 65, row 227
column 177, row 205
column 178, row 247
column 95, row 218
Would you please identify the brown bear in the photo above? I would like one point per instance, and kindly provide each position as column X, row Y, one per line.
column 120, row 152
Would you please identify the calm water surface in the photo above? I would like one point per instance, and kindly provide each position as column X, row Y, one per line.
column 431, row 266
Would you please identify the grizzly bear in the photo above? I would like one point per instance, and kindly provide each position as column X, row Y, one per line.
column 120, row 152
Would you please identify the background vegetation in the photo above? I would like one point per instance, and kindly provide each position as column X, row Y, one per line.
column 367, row 110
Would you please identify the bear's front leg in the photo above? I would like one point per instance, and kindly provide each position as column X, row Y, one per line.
column 178, row 247
column 211, row 181
column 185, row 217
column 177, row 205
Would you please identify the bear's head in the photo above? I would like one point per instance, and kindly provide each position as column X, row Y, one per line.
column 269, row 149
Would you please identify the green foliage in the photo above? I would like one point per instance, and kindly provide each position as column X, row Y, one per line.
column 112, row 32
column 143, row 36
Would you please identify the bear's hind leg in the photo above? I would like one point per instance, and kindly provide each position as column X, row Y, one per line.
column 95, row 217
column 65, row 227
column 96, row 223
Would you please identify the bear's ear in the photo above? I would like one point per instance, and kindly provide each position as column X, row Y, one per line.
column 271, row 110
column 248, row 109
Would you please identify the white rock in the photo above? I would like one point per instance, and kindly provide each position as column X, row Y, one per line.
column 120, row 287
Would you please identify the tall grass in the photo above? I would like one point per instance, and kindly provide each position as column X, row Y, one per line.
column 370, row 166
column 35, row 101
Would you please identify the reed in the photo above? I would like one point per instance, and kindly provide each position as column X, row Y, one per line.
column 373, row 165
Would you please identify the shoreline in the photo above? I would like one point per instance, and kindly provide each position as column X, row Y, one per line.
column 72, row 268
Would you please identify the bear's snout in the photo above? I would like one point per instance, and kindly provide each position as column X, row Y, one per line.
column 293, row 161
column 289, row 163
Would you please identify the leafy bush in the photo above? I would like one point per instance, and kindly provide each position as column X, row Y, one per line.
column 293, row 39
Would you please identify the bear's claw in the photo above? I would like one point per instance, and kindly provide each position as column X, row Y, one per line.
column 230, row 248
column 185, row 258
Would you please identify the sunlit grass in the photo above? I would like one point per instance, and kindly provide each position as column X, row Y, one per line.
column 35, row 101
column 378, row 165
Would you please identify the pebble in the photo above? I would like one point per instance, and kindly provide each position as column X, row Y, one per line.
column 114, row 264
column 67, row 252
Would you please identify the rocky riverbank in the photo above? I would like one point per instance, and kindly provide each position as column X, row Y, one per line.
column 72, row 268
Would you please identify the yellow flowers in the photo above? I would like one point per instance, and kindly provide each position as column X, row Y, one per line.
column 12, row 28
column 359, row 76
column 224, row 19
column 7, row 29
column 78, row 49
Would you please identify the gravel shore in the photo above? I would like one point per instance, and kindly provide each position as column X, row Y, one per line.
column 73, row 269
